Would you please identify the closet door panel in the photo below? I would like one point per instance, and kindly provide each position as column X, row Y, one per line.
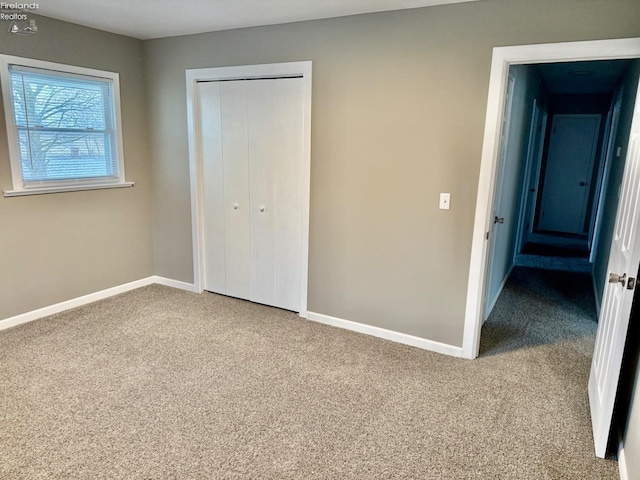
column 288, row 218
column 275, row 152
column 236, row 187
column 212, row 196
column 262, row 107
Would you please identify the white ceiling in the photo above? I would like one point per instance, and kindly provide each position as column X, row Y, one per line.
column 147, row 19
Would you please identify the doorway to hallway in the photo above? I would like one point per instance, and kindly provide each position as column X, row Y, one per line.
column 623, row 246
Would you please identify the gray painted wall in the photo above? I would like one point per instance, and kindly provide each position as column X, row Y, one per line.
column 399, row 101
column 61, row 246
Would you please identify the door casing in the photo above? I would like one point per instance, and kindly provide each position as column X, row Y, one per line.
column 246, row 72
column 502, row 59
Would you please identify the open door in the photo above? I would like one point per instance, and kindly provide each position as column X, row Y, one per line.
column 499, row 235
column 624, row 261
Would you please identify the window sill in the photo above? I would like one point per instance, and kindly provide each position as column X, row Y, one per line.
column 66, row 188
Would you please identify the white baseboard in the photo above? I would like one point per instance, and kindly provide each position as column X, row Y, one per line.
column 169, row 282
column 386, row 334
column 391, row 335
column 92, row 297
column 622, row 462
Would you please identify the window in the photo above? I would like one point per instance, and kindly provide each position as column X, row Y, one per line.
column 63, row 126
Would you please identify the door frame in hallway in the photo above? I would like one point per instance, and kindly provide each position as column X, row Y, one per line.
column 245, row 72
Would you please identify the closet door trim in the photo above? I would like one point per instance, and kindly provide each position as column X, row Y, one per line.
column 245, row 72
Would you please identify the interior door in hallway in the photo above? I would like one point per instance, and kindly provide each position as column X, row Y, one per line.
column 565, row 191
column 624, row 260
column 252, row 145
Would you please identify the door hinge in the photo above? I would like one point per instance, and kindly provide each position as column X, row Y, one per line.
column 631, row 283
column 487, row 236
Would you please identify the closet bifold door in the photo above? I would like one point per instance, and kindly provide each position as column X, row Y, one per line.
column 275, row 119
column 252, row 149
column 225, row 164
column 213, row 208
column 236, row 187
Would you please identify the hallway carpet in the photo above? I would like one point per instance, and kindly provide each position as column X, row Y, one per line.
column 159, row 383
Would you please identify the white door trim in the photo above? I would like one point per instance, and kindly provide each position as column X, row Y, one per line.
column 503, row 58
column 273, row 70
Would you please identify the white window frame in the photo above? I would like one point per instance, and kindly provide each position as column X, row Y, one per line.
column 19, row 188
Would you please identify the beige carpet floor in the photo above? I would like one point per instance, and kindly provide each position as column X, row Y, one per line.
column 159, row 383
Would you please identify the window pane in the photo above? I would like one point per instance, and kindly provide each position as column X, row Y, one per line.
column 52, row 101
column 47, row 156
column 65, row 125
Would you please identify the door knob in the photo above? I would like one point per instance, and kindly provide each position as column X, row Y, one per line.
column 235, row 206
column 615, row 278
column 262, row 208
column 582, row 184
column 498, row 220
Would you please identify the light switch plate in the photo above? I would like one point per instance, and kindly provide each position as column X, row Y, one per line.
column 445, row 201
